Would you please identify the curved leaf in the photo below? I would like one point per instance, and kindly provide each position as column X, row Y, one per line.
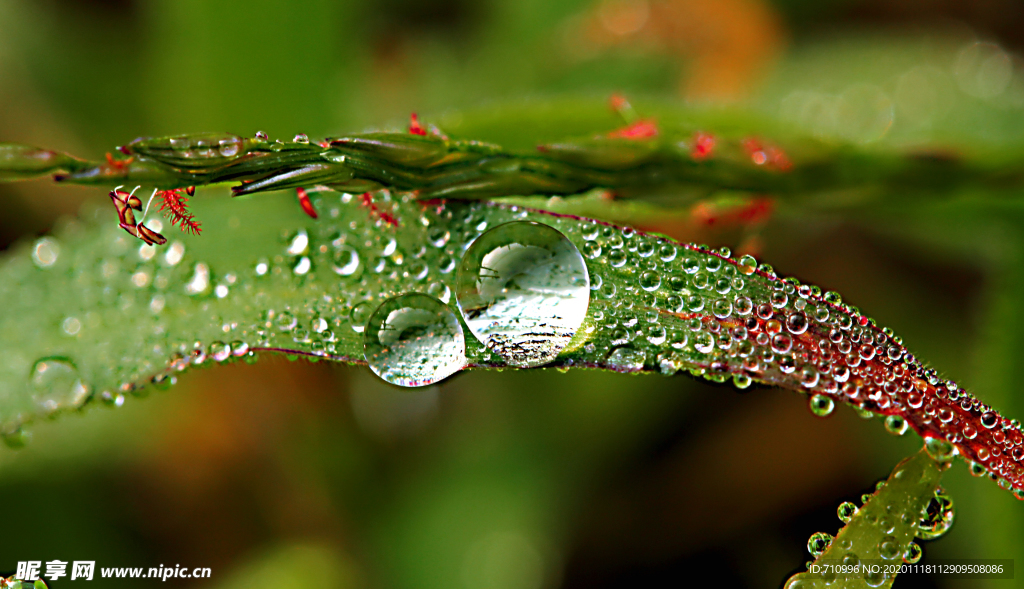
column 92, row 313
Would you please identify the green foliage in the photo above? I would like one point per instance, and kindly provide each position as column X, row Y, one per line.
column 177, row 69
column 117, row 315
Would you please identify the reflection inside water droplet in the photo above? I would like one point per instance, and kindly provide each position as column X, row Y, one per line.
column 414, row 340
column 523, row 289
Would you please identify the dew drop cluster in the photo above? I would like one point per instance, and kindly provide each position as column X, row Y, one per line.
column 882, row 530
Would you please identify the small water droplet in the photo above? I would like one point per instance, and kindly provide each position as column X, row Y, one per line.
column 846, row 511
column 667, row 252
column 818, row 543
column 56, row 384
column 200, row 281
column 360, row 315
column 821, row 405
column 220, row 351
column 302, row 266
column 889, row 547
column 414, row 340
column 71, row 326
column 939, row 449
column 174, row 254
column 721, row 308
column 438, row 236
column 386, row 246
column 796, row 323
column 346, row 261
column 913, row 553
column 299, row 244
column 896, row 425
column 17, row 439
column 938, row 517
column 650, row 280
column 45, row 252
column 626, row 359
column 523, row 289
column 656, row 334
column 691, row 264
column 703, row 342
column 239, row 349
column 439, row 291
column 112, row 399
column 592, row 250
column 286, row 321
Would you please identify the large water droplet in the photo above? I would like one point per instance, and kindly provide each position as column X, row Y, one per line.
column 414, row 340
column 523, row 289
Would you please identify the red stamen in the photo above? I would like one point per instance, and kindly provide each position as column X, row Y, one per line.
column 779, row 160
column 175, row 207
column 305, row 203
column 388, row 218
column 618, row 102
column 366, row 200
column 642, row 129
column 755, row 150
column 415, row 127
column 118, row 165
column 703, row 146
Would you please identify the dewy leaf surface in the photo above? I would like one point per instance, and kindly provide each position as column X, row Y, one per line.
column 91, row 313
column 879, row 534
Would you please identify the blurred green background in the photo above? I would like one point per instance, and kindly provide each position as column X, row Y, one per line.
column 287, row 474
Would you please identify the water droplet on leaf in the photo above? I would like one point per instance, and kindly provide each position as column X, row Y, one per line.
column 414, row 340
column 818, row 543
column 626, row 359
column 938, row 516
column 45, row 252
column 821, row 405
column 846, row 511
column 523, row 290
column 56, row 384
